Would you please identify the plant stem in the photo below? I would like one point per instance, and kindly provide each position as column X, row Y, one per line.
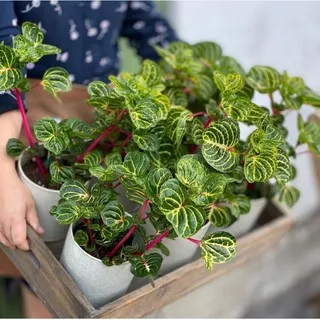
column 193, row 149
column 194, row 241
column 117, row 185
column 122, row 112
column 155, row 241
column 128, row 138
column 201, row 113
column 27, row 130
column 90, row 231
column 96, row 142
column 207, row 123
column 130, row 232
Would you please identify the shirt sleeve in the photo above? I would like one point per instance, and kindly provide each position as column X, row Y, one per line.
column 8, row 29
column 144, row 27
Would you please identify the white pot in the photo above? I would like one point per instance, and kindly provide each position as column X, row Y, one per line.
column 99, row 283
column 246, row 221
column 44, row 200
column 182, row 251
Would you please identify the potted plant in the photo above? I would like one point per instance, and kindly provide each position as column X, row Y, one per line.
column 36, row 158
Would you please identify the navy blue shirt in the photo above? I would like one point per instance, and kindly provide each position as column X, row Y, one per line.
column 87, row 34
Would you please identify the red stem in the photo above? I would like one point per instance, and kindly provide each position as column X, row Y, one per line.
column 202, row 113
column 207, row 123
column 117, row 185
column 35, row 86
column 90, row 231
column 128, row 138
column 154, row 242
column 96, row 142
column 130, row 232
column 27, row 130
column 193, row 149
column 123, row 111
column 194, row 241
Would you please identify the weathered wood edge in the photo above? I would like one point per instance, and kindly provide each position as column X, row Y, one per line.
column 178, row 283
column 50, row 282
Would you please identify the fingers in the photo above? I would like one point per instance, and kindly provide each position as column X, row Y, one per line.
column 6, row 242
column 32, row 219
column 18, row 235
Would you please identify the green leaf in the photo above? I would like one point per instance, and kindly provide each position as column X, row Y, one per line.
column 239, row 204
column 156, row 178
column 186, row 219
column 77, row 128
column 263, row 79
column 289, row 195
column 237, row 108
column 204, row 87
column 81, row 238
column 74, row 190
column 260, row 167
column 283, row 169
column 197, row 131
column 228, row 64
column 146, row 265
column 150, row 72
column 32, row 32
column 176, row 124
column 10, row 76
column 98, row 89
column 54, row 138
column 212, row 188
column 147, row 113
column 311, row 98
column 68, row 212
column 258, row 116
column 136, row 163
column 60, row 173
column 56, row 80
column 310, row 134
column 14, row 147
column 208, row 52
column 93, row 158
column 218, row 247
column 228, row 84
column 219, row 141
column 114, row 218
column 145, row 140
column 190, row 171
column 221, row 216
column 177, row 97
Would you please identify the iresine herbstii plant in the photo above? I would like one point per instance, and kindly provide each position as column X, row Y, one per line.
column 178, row 153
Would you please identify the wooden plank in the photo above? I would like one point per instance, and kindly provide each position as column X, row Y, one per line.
column 49, row 280
column 178, row 283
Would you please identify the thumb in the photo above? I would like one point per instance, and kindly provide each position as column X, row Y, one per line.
column 33, row 220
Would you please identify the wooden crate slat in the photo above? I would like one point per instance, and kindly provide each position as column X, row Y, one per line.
column 181, row 281
column 49, row 280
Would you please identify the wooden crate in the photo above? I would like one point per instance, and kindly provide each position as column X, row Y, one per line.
column 64, row 299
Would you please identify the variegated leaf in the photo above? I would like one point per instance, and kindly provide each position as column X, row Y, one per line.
column 260, row 167
column 93, row 158
column 32, row 32
column 148, row 264
column 150, row 72
column 145, row 140
column 263, row 79
column 10, row 76
column 208, row 52
column 219, row 141
column 67, row 212
column 98, row 89
column 283, row 169
column 156, row 178
column 81, row 238
column 136, row 163
column 228, row 65
column 221, row 216
column 60, row 173
column 310, row 134
column 239, row 204
column 212, row 188
column 204, row 87
column 186, row 219
column 54, row 138
column 14, row 147
column 258, row 116
column 114, row 218
column 218, row 247
column 176, row 124
column 197, row 131
column 56, row 80
column 311, row 98
column 236, row 107
column 77, row 128
column 177, row 97
column 147, row 113
column 74, row 190
column 289, row 195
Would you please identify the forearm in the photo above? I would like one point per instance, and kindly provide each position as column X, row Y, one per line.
column 10, row 127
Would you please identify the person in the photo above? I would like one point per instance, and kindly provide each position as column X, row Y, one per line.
column 87, row 33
